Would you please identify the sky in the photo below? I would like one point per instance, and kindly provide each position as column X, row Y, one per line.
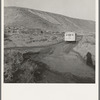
column 83, row 9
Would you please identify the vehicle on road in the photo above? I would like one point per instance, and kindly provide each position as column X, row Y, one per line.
column 70, row 36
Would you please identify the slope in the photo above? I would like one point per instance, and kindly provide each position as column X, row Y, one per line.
column 29, row 18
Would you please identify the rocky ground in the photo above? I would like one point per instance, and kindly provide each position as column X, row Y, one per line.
column 62, row 62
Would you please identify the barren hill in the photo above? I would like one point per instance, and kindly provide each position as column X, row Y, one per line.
column 29, row 18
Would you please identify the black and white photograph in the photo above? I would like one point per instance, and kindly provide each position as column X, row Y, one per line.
column 49, row 41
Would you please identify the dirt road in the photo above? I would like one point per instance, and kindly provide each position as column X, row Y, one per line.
column 63, row 59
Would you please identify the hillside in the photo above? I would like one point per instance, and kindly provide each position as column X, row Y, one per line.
column 29, row 18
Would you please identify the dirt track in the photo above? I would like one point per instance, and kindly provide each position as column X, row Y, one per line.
column 63, row 59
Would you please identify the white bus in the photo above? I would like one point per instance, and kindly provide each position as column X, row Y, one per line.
column 70, row 36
